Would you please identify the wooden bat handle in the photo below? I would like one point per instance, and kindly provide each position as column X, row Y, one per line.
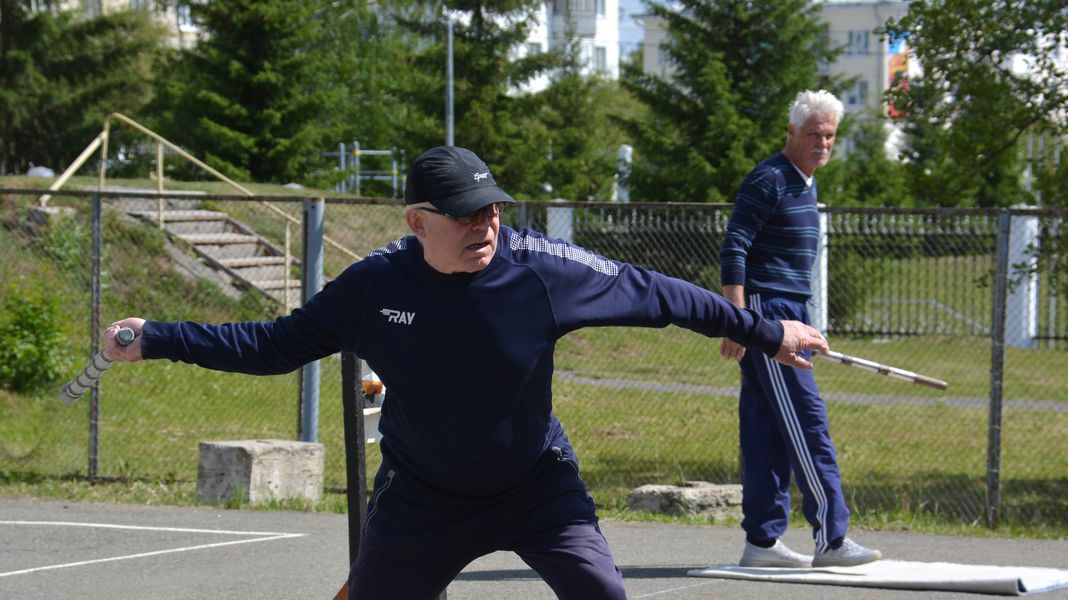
column 931, row 382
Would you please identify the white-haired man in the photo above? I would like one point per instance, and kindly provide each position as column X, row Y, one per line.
column 766, row 265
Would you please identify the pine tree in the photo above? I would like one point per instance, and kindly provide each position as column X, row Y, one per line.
column 574, row 120
column 61, row 75
column 249, row 96
column 736, row 66
column 491, row 109
column 363, row 46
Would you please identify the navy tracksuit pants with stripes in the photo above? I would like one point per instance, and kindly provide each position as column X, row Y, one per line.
column 784, row 431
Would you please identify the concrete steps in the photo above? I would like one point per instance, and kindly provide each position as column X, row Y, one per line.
column 230, row 246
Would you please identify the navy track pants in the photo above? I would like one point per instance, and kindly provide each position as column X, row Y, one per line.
column 417, row 539
column 784, row 431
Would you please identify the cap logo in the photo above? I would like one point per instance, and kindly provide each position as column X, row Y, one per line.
column 481, row 176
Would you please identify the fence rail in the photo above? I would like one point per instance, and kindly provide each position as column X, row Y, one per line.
column 916, row 289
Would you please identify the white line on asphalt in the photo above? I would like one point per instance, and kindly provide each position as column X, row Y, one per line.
column 676, row 589
column 269, row 537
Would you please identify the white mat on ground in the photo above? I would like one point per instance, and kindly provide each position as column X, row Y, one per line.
column 908, row 575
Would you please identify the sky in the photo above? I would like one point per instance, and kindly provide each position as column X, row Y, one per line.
column 630, row 34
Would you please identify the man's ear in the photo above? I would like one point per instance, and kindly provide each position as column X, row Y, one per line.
column 416, row 223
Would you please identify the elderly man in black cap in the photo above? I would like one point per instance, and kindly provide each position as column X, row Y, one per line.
column 473, row 458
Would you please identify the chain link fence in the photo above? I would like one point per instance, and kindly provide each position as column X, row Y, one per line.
column 916, row 289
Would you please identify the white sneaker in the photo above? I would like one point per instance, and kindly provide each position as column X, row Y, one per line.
column 849, row 554
column 776, row 556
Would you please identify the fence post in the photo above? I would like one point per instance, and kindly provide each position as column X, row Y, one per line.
column 94, row 336
column 394, row 171
column 356, row 163
column 818, row 314
column 1021, row 329
column 560, row 222
column 355, row 448
column 997, row 370
column 621, row 185
column 344, row 184
column 311, row 283
column 522, row 218
column 1051, row 288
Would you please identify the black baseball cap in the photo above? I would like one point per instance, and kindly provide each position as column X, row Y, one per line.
column 454, row 180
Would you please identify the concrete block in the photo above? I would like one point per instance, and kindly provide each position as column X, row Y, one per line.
column 261, row 469
column 697, row 498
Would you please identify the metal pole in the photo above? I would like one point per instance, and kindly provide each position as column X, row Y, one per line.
column 312, row 282
column 94, row 329
column 159, row 182
column 341, row 165
column 104, row 155
column 997, row 370
column 1051, row 324
column 356, row 162
column 355, row 440
column 393, row 171
column 448, row 82
column 287, row 298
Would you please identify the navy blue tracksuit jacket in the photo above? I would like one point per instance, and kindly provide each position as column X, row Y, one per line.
column 473, row 458
column 467, row 359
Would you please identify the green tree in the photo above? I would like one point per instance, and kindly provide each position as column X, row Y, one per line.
column 966, row 115
column 735, row 67
column 574, row 120
column 61, row 74
column 363, row 46
column 865, row 175
column 249, row 96
column 491, row 108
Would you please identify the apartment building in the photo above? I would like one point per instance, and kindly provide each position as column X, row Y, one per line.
column 594, row 22
column 873, row 60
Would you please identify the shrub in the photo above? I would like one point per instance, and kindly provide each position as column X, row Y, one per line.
column 29, row 340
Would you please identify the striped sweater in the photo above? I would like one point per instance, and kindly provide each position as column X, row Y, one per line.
column 771, row 239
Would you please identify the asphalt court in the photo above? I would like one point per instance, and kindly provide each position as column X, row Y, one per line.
column 52, row 549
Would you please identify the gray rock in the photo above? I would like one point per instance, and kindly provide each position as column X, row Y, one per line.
column 693, row 498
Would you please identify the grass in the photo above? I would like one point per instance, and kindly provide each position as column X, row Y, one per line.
column 912, row 458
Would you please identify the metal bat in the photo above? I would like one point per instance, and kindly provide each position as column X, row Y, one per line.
column 92, row 372
column 882, row 369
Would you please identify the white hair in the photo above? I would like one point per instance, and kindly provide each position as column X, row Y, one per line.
column 418, row 205
column 809, row 103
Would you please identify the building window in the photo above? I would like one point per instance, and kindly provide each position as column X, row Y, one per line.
column 533, row 48
column 858, row 94
column 600, row 58
column 857, row 43
column 578, row 6
column 599, row 4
